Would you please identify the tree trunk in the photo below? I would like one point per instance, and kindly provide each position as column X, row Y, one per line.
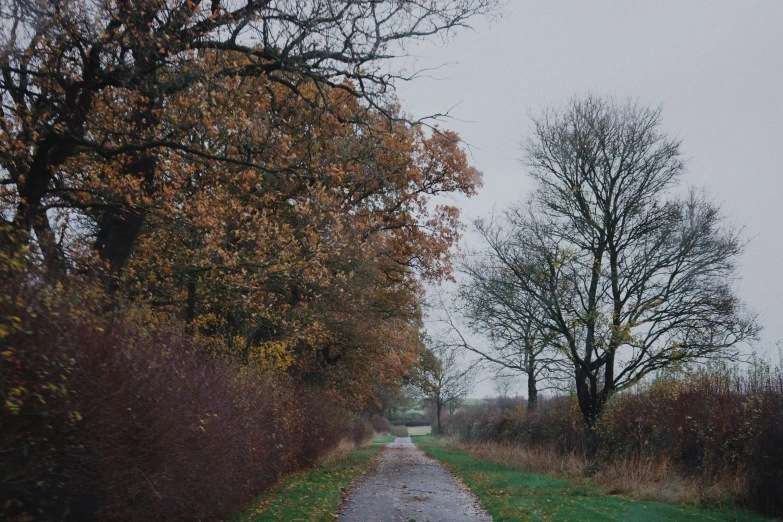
column 32, row 188
column 438, row 407
column 586, row 381
column 53, row 257
column 532, row 394
column 118, row 230
column 587, row 396
column 608, row 388
column 119, row 227
column 532, row 385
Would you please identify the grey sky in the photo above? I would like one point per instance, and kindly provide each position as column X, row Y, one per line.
column 715, row 66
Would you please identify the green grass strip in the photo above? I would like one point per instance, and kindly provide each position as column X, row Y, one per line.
column 510, row 495
column 312, row 495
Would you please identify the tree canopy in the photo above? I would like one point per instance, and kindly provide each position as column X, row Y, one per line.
column 241, row 165
column 628, row 277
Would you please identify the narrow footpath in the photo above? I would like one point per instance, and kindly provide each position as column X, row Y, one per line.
column 406, row 485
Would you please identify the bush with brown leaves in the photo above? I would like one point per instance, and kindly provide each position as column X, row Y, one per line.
column 109, row 413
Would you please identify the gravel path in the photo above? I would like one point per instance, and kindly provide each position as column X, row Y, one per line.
column 404, row 485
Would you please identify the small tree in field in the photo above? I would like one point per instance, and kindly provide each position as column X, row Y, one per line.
column 628, row 279
column 440, row 380
column 490, row 304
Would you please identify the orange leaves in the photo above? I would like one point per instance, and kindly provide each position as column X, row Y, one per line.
column 290, row 229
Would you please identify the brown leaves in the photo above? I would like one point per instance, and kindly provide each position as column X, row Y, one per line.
column 291, row 234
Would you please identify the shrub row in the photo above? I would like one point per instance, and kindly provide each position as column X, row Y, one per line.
column 411, row 422
column 711, row 424
column 119, row 416
column 380, row 424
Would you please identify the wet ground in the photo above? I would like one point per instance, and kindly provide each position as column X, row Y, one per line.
column 406, row 485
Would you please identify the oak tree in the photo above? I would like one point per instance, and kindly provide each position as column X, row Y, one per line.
column 86, row 81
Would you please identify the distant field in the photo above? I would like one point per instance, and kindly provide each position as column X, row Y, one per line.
column 416, row 431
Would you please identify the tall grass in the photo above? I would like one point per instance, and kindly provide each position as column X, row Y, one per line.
column 713, row 435
column 113, row 414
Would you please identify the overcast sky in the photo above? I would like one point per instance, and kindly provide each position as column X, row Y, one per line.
column 716, row 67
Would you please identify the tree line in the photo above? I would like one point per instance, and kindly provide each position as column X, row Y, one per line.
column 216, row 225
column 241, row 165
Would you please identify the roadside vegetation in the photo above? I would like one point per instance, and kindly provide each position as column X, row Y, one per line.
column 313, row 495
column 616, row 292
column 711, row 437
column 215, row 231
column 511, row 493
column 217, row 227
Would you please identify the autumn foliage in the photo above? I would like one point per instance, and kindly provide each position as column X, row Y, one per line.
column 292, row 268
column 258, row 255
column 212, row 252
column 121, row 416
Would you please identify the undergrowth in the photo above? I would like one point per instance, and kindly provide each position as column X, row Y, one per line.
column 114, row 413
column 511, row 494
column 313, row 495
column 709, row 437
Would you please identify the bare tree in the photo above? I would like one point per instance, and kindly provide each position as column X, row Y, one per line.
column 503, row 384
column 629, row 282
column 492, row 305
column 440, row 379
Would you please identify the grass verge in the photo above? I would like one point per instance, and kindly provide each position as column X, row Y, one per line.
column 511, row 495
column 312, row 495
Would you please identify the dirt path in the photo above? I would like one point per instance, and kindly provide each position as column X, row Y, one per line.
column 404, row 485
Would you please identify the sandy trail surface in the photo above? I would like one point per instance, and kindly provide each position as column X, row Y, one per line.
column 404, row 485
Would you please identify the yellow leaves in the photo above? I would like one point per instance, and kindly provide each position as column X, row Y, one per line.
column 14, row 399
column 273, row 356
column 204, row 422
column 317, row 226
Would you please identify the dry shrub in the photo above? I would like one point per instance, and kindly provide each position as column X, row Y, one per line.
column 709, row 436
column 381, row 424
column 556, row 423
column 545, row 459
column 720, row 426
column 360, row 431
column 118, row 416
column 660, row 479
column 399, row 431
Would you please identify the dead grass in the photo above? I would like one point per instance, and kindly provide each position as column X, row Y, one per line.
column 635, row 478
column 339, row 452
column 538, row 458
column 658, row 479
